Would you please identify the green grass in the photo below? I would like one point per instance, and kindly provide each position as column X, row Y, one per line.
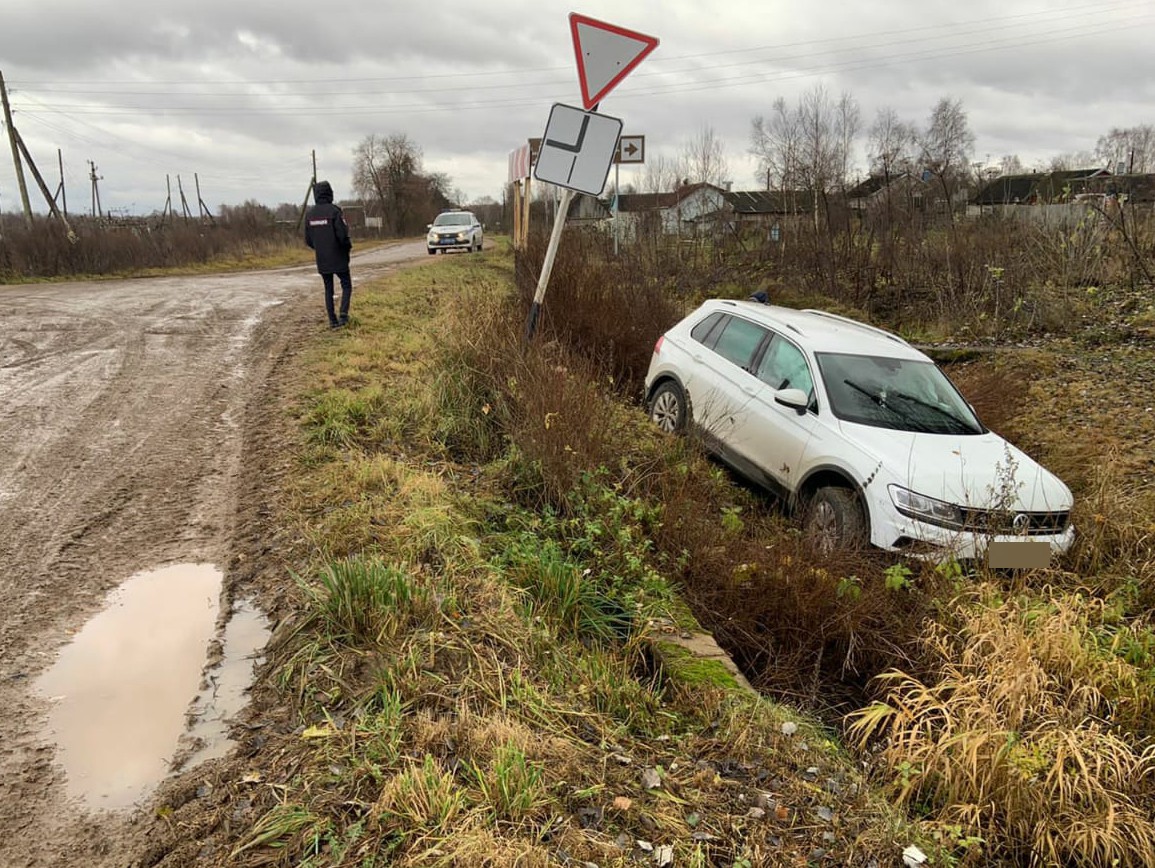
column 464, row 667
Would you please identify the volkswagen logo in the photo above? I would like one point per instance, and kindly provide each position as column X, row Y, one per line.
column 1022, row 523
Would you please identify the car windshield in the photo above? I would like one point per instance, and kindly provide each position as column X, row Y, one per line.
column 452, row 220
column 904, row 394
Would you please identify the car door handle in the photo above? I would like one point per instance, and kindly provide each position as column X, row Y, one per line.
column 698, row 357
column 749, row 390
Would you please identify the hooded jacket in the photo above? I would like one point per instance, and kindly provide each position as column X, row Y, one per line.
column 326, row 231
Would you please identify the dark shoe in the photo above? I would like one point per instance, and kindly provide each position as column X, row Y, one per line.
column 344, row 320
column 333, row 324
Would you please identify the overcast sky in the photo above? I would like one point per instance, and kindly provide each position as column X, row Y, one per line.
column 240, row 91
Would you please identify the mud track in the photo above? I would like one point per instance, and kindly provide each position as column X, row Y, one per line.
column 132, row 418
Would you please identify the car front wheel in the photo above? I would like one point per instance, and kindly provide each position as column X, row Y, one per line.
column 668, row 407
column 430, row 250
column 833, row 520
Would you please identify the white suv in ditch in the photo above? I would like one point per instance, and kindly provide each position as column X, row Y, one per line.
column 454, row 230
column 858, row 431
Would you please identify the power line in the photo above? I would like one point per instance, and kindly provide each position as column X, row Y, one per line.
column 1038, row 38
column 952, row 29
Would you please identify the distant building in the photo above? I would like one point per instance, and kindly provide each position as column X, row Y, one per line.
column 1035, row 188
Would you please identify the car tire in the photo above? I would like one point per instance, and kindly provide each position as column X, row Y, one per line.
column 668, row 409
column 430, row 250
column 833, row 521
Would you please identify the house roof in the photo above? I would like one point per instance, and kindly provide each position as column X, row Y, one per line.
column 1032, row 187
column 770, row 201
column 872, row 185
column 1137, row 187
column 646, row 201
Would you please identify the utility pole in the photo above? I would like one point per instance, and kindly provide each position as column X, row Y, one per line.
column 312, row 184
column 202, row 208
column 167, row 212
column 183, row 201
column 63, row 193
column 48, row 197
column 15, row 153
column 97, row 211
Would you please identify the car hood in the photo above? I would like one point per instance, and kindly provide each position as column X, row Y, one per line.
column 981, row 471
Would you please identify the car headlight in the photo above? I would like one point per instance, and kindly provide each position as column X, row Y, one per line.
column 461, row 236
column 925, row 508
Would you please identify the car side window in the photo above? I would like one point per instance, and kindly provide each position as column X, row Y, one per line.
column 738, row 341
column 783, row 366
column 704, row 330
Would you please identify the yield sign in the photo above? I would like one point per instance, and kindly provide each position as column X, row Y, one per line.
column 606, row 54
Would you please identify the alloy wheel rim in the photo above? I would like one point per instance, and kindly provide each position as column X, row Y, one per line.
column 824, row 527
column 665, row 412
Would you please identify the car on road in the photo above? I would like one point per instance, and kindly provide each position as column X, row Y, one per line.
column 454, row 230
column 858, row 431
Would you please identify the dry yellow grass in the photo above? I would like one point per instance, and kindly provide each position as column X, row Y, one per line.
column 1028, row 738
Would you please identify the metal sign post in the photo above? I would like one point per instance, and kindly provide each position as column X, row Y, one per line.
column 579, row 147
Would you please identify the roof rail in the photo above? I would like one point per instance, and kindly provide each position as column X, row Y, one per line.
column 883, row 332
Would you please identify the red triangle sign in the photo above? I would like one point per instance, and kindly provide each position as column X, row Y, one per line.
column 606, row 54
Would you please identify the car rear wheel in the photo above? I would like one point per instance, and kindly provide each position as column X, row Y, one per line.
column 833, row 520
column 668, row 407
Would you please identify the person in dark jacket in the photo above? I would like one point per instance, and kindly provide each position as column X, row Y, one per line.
column 328, row 235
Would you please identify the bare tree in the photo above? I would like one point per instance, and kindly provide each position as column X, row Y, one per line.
column 775, row 141
column 704, row 157
column 946, row 146
column 890, row 144
column 1010, row 164
column 662, row 174
column 1071, row 161
column 808, row 146
column 890, row 148
column 1131, row 149
column 387, row 176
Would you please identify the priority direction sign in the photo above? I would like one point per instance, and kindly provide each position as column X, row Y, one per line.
column 631, row 149
column 577, row 149
column 606, row 54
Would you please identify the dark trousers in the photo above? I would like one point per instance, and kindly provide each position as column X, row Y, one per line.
column 346, row 293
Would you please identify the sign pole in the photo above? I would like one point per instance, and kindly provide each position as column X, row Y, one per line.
column 617, row 202
column 547, row 266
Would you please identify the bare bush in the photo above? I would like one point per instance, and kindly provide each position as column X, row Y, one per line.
column 99, row 248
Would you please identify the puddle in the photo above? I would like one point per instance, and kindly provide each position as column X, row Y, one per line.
column 121, row 690
column 227, row 685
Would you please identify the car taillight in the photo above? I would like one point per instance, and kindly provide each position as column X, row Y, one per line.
column 658, row 345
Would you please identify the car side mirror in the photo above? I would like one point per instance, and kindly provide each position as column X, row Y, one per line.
column 428, row 225
column 793, row 398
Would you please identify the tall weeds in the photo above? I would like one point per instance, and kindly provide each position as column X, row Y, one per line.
column 1033, row 735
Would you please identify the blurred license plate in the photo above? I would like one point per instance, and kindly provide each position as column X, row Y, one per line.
column 1024, row 554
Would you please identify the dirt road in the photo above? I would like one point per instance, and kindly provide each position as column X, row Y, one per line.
column 123, row 408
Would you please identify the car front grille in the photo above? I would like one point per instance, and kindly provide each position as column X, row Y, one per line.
column 1003, row 522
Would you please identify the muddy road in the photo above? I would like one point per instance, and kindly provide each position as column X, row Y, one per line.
column 124, row 407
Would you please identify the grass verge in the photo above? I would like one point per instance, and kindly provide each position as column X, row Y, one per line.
column 468, row 666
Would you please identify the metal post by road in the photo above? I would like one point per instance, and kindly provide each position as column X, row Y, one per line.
column 15, row 153
column 617, row 203
column 547, row 265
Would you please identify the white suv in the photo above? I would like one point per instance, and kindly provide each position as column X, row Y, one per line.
column 454, row 230
column 858, row 431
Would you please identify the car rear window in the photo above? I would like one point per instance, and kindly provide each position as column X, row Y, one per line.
column 738, row 340
column 704, row 331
